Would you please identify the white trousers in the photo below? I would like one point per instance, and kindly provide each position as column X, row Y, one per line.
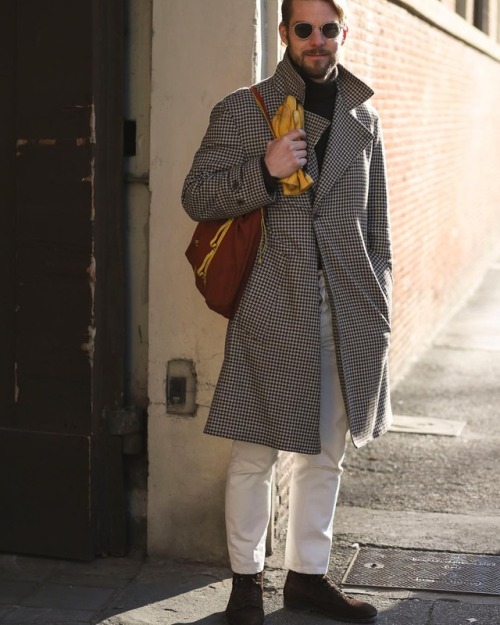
column 314, row 482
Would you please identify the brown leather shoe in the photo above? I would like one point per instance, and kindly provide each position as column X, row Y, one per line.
column 319, row 593
column 246, row 603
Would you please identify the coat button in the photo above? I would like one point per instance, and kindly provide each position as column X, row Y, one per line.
column 240, row 201
column 235, row 185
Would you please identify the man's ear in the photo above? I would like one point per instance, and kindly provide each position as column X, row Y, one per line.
column 283, row 33
column 344, row 34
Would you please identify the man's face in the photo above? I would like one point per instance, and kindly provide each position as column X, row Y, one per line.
column 316, row 56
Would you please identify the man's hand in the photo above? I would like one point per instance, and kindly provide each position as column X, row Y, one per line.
column 286, row 155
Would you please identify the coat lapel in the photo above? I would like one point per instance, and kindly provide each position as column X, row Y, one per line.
column 348, row 138
column 315, row 126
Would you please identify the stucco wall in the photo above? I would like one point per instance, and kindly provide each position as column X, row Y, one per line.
column 201, row 51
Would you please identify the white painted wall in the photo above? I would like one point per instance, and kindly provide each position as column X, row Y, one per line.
column 201, row 51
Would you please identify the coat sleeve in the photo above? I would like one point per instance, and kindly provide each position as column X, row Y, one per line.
column 224, row 181
column 379, row 229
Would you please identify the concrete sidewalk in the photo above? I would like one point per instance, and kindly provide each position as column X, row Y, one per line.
column 409, row 490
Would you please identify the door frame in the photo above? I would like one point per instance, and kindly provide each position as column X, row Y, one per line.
column 108, row 372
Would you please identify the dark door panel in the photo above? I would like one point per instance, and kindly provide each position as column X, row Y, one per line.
column 61, row 277
column 44, row 484
column 55, row 67
column 7, row 203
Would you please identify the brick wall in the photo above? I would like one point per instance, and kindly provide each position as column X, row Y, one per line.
column 438, row 101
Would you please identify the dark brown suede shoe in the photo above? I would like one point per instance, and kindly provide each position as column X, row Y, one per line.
column 319, row 593
column 246, row 603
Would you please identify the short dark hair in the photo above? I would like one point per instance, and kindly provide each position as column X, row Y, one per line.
column 339, row 6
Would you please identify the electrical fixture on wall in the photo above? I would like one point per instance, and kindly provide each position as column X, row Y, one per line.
column 181, row 387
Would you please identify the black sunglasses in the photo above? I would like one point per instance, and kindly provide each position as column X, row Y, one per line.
column 330, row 30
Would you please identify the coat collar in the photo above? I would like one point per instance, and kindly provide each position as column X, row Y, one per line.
column 354, row 91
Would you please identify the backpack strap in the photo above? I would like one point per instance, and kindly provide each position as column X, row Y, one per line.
column 262, row 106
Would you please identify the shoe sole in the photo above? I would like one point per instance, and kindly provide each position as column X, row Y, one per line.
column 370, row 619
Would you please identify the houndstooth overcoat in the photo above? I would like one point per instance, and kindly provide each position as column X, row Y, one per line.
column 268, row 391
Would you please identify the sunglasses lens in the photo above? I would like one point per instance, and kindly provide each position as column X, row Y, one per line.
column 331, row 30
column 303, row 30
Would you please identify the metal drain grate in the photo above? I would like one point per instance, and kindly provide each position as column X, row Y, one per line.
column 425, row 570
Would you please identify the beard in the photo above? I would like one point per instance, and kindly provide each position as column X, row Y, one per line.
column 316, row 65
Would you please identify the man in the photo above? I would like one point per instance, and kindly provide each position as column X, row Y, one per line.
column 320, row 295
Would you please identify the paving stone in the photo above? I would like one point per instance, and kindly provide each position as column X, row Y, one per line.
column 148, row 615
column 25, row 568
column 390, row 613
column 12, row 593
column 119, row 569
column 461, row 613
column 419, row 530
column 46, row 616
column 87, row 580
column 70, row 597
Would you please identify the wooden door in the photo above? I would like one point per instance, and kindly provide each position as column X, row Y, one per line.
column 61, row 314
